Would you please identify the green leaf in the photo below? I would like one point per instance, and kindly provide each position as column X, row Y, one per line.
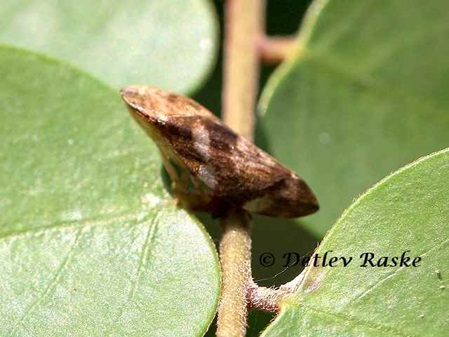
column 407, row 211
column 365, row 94
column 90, row 242
column 165, row 43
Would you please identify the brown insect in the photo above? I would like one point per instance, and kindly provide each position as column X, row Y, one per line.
column 213, row 168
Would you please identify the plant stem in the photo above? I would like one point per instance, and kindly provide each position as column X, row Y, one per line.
column 263, row 298
column 244, row 25
column 235, row 255
column 269, row 299
column 276, row 49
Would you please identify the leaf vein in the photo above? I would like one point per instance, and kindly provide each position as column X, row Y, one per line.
column 352, row 319
column 52, row 284
column 145, row 251
column 382, row 280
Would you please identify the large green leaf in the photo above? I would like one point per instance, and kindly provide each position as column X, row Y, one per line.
column 166, row 43
column 90, row 242
column 408, row 211
column 365, row 94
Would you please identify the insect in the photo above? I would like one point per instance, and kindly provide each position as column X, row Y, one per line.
column 211, row 167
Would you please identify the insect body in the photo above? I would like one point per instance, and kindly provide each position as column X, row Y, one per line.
column 211, row 166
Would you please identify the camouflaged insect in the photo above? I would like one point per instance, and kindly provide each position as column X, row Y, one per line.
column 213, row 168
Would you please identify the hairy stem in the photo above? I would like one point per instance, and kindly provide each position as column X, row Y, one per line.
column 268, row 299
column 244, row 24
column 263, row 298
column 235, row 255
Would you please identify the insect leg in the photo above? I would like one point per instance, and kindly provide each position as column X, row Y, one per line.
column 170, row 168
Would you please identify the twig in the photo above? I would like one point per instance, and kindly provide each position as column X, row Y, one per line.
column 244, row 25
column 235, row 255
